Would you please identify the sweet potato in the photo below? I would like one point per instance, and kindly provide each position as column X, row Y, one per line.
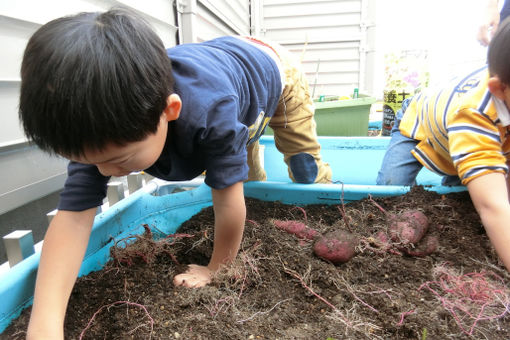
column 383, row 243
column 426, row 247
column 297, row 228
column 408, row 227
column 382, row 238
column 338, row 246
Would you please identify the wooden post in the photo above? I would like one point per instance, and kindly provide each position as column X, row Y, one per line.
column 50, row 215
column 19, row 245
column 147, row 177
column 135, row 182
column 115, row 192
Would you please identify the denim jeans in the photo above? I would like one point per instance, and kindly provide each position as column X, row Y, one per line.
column 399, row 166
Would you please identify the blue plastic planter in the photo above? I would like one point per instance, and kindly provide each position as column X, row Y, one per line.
column 355, row 162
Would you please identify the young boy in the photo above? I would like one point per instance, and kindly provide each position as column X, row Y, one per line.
column 100, row 90
column 461, row 132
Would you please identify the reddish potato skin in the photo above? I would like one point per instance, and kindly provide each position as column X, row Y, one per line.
column 296, row 228
column 382, row 237
column 426, row 247
column 408, row 227
column 337, row 246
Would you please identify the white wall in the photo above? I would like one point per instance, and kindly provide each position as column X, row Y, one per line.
column 202, row 20
column 26, row 173
column 330, row 36
column 223, row 17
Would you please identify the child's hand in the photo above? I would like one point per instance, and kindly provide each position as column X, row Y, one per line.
column 196, row 276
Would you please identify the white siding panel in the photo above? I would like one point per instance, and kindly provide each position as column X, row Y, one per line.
column 343, row 20
column 43, row 11
column 325, row 34
column 331, row 67
column 323, row 51
column 18, row 21
column 28, row 174
column 234, row 14
column 10, row 129
column 14, row 35
column 159, row 14
column 296, row 2
column 339, row 79
column 312, row 35
column 222, row 17
column 310, row 8
column 161, row 10
column 209, row 26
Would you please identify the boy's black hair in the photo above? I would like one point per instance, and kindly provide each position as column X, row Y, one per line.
column 498, row 56
column 92, row 79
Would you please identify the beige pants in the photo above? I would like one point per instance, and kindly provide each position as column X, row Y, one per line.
column 294, row 128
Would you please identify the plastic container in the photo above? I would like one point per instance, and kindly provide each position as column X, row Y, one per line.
column 347, row 117
column 354, row 161
column 344, row 117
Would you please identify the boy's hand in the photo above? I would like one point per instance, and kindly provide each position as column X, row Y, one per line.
column 229, row 217
column 196, row 276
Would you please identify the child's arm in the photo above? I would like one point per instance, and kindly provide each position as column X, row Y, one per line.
column 229, row 219
column 64, row 246
column 489, row 194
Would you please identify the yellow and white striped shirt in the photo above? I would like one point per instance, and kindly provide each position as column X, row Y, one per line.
column 462, row 129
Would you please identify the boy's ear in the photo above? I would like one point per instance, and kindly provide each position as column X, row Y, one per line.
column 496, row 87
column 173, row 107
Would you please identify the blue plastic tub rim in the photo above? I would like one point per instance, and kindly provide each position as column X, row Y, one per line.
column 147, row 206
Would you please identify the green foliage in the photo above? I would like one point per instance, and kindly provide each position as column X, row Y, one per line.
column 406, row 70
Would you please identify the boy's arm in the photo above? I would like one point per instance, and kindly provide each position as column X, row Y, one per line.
column 229, row 219
column 489, row 194
column 63, row 250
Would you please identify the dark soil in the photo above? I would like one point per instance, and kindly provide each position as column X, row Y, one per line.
column 278, row 289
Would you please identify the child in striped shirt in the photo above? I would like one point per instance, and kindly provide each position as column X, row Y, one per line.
column 461, row 132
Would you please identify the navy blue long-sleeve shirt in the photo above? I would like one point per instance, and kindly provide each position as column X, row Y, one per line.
column 227, row 87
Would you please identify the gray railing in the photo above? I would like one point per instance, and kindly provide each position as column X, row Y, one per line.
column 19, row 244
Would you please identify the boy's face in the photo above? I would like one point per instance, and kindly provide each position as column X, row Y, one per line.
column 119, row 161
column 506, row 93
column 499, row 89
